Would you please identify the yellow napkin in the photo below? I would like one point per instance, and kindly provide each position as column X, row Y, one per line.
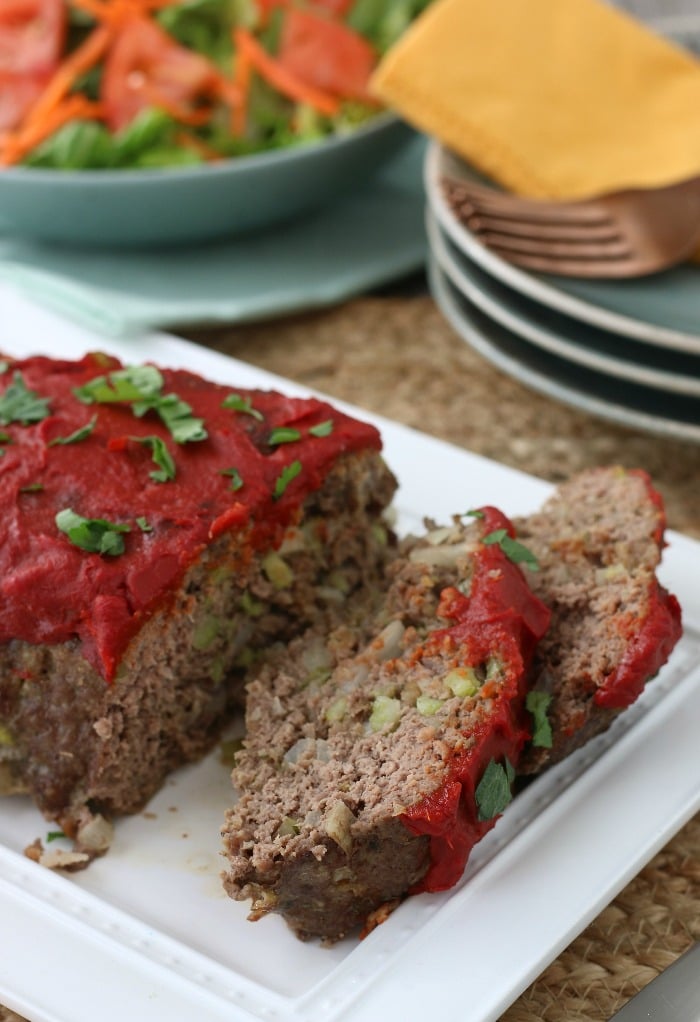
column 551, row 98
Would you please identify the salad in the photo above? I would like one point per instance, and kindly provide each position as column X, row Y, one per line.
column 89, row 84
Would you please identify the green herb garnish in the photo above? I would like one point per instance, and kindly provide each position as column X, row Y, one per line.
column 322, row 429
column 176, row 416
column 93, row 534
column 474, row 514
column 4, row 366
column 161, row 456
column 134, row 383
column 77, row 436
column 288, row 473
column 54, row 835
column 514, row 551
column 235, row 475
column 143, row 524
column 241, row 404
column 493, row 792
column 283, row 435
column 141, row 387
column 538, row 704
column 19, row 404
column 32, row 488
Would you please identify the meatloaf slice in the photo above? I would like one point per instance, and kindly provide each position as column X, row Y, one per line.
column 376, row 756
column 598, row 541
column 117, row 663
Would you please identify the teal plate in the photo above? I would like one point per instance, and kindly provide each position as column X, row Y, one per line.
column 662, row 309
column 370, row 237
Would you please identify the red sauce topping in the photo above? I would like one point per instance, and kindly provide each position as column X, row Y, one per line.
column 53, row 591
column 656, row 634
column 649, row 650
column 501, row 618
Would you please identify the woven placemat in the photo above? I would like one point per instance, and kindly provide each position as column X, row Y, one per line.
column 398, row 357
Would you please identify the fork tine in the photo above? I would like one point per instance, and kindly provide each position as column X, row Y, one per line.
column 548, row 249
column 505, row 205
column 594, row 267
column 574, row 232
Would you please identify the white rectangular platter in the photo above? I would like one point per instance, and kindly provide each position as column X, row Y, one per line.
column 146, row 932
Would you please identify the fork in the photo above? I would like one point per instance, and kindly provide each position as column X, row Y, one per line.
column 622, row 234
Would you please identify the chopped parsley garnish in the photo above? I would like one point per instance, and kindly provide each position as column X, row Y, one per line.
column 241, row 404
column 514, row 551
column 143, row 524
column 235, row 475
column 322, row 428
column 54, row 835
column 493, row 792
column 283, row 435
column 161, row 456
column 285, row 477
column 177, row 417
column 142, row 386
column 538, row 704
column 93, row 534
column 77, row 436
column 32, row 488
column 19, row 404
column 4, row 366
column 135, row 383
column 474, row 514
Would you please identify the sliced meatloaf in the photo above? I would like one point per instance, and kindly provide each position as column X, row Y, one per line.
column 158, row 534
column 598, row 541
column 378, row 754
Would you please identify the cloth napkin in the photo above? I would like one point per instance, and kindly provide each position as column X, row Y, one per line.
column 550, row 98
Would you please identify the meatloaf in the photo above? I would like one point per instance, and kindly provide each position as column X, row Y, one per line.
column 598, row 542
column 376, row 755
column 158, row 534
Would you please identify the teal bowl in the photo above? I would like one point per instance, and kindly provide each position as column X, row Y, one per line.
column 137, row 208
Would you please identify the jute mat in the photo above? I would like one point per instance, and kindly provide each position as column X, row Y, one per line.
column 397, row 357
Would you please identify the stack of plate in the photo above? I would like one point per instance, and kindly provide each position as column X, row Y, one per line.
column 628, row 351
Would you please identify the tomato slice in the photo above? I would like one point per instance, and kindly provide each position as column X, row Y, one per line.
column 17, row 93
column 32, row 33
column 326, row 54
column 146, row 67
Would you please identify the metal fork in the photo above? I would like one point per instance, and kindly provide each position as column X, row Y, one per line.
column 623, row 234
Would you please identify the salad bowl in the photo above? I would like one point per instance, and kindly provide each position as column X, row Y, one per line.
column 158, row 122
column 190, row 204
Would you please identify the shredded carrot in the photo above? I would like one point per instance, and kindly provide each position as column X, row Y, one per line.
column 190, row 141
column 175, row 110
column 81, row 60
column 241, row 78
column 119, row 10
column 280, row 78
column 17, row 145
column 95, row 8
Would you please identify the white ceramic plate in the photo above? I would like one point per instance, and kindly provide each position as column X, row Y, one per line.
column 560, row 335
column 662, row 309
column 146, row 932
column 656, row 411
